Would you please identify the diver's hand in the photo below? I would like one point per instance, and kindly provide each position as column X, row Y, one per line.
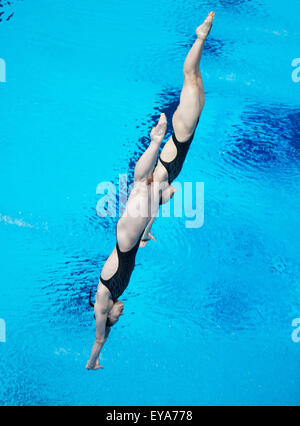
column 95, row 367
column 144, row 242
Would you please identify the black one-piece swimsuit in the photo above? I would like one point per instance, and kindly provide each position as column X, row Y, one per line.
column 120, row 281
column 174, row 167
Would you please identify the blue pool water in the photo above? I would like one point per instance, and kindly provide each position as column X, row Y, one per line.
column 209, row 311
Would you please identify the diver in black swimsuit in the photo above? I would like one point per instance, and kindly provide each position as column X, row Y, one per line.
column 118, row 283
column 174, row 167
column 135, row 225
column 119, row 267
column 185, row 121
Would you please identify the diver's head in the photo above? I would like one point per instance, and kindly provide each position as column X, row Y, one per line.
column 115, row 313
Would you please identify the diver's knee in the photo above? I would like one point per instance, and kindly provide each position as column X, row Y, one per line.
column 193, row 79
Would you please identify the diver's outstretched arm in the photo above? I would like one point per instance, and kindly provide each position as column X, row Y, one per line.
column 102, row 331
column 145, row 166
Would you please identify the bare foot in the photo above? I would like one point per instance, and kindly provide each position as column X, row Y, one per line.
column 96, row 367
column 159, row 131
column 204, row 29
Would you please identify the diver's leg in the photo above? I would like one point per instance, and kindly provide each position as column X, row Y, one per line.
column 192, row 96
column 145, row 165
